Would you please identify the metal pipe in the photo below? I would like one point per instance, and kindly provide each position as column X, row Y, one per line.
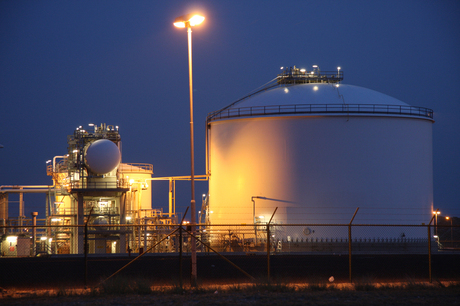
column 54, row 162
column 25, row 186
column 254, row 215
column 25, row 191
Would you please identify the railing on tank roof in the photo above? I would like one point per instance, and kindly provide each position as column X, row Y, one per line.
column 301, row 76
column 403, row 110
column 136, row 167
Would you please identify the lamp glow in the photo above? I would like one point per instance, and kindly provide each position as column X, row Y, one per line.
column 188, row 20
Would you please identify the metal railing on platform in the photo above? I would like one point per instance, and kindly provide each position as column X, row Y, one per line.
column 269, row 110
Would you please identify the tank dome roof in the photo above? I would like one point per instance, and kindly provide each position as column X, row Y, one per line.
column 318, row 99
column 318, row 93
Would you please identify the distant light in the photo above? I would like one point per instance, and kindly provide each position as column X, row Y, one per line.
column 315, row 88
column 282, row 68
column 11, row 238
column 435, row 236
column 91, row 124
column 261, row 217
column 303, row 70
column 43, row 238
column 74, row 151
column 48, row 161
column 436, row 212
column 337, row 85
column 55, row 220
column 315, row 66
column 128, row 218
column 286, row 90
column 131, row 181
column 447, row 218
column 338, row 68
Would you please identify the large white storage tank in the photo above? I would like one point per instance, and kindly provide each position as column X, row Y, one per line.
column 317, row 150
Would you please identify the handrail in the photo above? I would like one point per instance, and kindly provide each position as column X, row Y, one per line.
column 269, row 110
column 99, row 185
column 136, row 167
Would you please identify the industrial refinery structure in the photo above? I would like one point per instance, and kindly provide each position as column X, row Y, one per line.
column 305, row 143
column 91, row 186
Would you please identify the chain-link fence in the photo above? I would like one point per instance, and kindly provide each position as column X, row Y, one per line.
column 77, row 255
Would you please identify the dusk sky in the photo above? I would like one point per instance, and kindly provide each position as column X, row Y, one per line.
column 69, row 63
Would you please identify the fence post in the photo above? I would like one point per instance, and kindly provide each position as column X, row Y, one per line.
column 349, row 244
column 268, row 252
column 429, row 246
column 34, row 232
column 180, row 256
column 269, row 245
column 349, row 253
column 86, row 248
column 429, row 253
column 180, row 249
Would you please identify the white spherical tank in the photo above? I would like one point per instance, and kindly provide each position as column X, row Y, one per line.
column 318, row 151
column 102, row 156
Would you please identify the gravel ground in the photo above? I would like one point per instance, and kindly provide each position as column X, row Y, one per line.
column 370, row 295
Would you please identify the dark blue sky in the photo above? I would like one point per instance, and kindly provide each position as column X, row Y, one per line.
column 70, row 63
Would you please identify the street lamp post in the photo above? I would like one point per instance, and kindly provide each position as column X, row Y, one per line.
column 187, row 21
